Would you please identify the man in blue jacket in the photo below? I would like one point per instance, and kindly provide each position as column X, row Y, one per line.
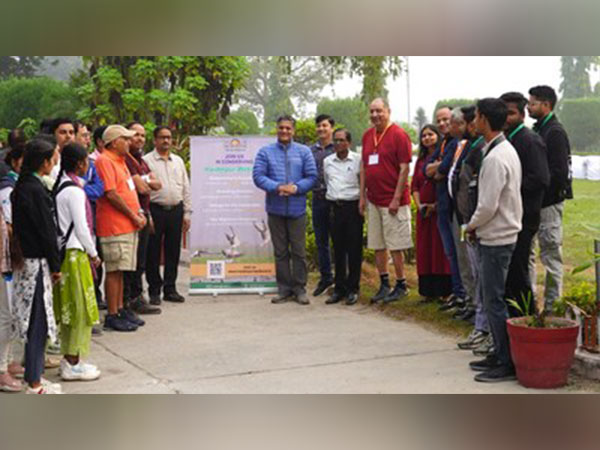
column 286, row 171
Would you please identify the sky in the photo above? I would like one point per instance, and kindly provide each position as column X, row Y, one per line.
column 437, row 77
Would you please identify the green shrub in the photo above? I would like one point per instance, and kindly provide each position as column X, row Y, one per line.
column 581, row 118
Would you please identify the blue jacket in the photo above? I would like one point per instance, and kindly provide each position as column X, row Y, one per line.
column 276, row 165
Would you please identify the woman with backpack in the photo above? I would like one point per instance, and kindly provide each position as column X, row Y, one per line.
column 35, row 260
column 75, row 304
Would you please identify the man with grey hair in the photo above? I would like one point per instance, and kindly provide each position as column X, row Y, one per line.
column 438, row 168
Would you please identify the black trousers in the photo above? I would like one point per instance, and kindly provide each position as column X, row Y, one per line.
column 168, row 225
column 518, row 281
column 35, row 348
column 99, row 273
column 347, row 236
column 132, row 281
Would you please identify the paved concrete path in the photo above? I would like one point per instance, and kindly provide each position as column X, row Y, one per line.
column 243, row 344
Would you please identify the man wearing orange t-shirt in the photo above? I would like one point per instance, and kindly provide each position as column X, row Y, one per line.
column 386, row 155
column 119, row 217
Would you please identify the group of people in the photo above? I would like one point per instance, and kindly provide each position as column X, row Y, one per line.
column 70, row 215
column 485, row 187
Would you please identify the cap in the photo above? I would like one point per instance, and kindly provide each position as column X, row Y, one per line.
column 113, row 132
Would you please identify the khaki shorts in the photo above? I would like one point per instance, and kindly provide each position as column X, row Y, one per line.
column 120, row 252
column 389, row 232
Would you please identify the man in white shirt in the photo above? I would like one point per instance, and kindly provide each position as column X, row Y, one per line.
column 171, row 209
column 342, row 178
column 496, row 224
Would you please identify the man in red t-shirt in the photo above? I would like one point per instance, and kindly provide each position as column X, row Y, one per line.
column 386, row 155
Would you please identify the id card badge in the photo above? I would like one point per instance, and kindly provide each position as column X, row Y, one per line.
column 130, row 184
column 374, row 159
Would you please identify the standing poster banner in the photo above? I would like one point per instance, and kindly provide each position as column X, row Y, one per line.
column 230, row 241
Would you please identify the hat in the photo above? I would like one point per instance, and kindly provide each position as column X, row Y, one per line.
column 113, row 132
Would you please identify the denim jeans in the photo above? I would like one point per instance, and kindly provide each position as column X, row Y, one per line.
column 447, row 235
column 322, row 226
column 481, row 321
column 494, row 269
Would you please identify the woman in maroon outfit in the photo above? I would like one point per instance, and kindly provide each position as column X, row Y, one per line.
column 433, row 267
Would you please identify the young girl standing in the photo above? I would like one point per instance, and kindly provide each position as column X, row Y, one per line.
column 74, row 296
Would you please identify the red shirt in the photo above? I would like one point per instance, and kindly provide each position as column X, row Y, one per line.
column 381, row 179
column 115, row 175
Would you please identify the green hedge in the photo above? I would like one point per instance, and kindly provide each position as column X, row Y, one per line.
column 581, row 118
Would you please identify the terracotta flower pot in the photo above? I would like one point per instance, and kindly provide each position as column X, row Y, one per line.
column 543, row 356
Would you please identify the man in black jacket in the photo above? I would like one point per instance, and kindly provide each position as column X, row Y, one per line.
column 536, row 177
column 542, row 100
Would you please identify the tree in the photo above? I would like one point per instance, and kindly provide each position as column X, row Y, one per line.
column 19, row 66
column 242, row 122
column 35, row 98
column 374, row 71
column 575, row 75
column 352, row 112
column 581, row 118
column 189, row 93
column 410, row 130
column 276, row 83
column 420, row 119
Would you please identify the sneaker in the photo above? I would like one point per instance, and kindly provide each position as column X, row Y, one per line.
column 336, row 297
column 398, row 293
column 382, row 293
column 9, row 384
column 114, row 322
column 453, row 302
column 322, row 287
column 78, row 372
column 486, row 347
column 132, row 317
column 48, row 384
column 43, row 390
column 352, row 298
column 281, row 298
column 473, row 341
column 488, row 363
column 141, row 306
column 155, row 300
column 496, row 375
column 302, row 299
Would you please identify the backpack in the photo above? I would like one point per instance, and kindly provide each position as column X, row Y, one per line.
column 62, row 241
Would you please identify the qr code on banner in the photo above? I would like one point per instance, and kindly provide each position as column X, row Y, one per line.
column 215, row 270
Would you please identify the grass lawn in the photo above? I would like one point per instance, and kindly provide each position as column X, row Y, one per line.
column 581, row 212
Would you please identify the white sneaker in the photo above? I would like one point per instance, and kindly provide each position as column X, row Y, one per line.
column 48, row 388
column 79, row 372
column 50, row 385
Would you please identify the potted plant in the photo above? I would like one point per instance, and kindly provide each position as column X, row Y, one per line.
column 542, row 347
column 581, row 299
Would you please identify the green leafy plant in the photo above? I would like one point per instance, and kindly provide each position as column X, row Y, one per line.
column 595, row 256
column 580, row 298
column 535, row 318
